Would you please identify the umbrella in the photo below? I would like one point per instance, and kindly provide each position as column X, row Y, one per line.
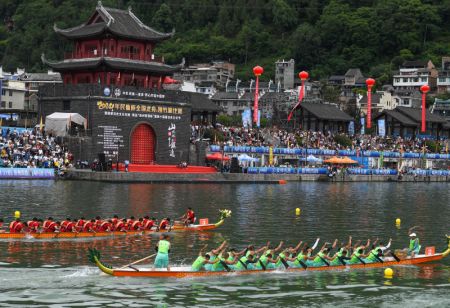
column 338, row 160
column 217, row 156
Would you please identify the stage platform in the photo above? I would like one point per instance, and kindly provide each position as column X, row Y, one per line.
column 167, row 169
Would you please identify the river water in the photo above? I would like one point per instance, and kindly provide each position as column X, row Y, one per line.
column 57, row 273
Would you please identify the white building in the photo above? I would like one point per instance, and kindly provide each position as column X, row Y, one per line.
column 217, row 72
column 414, row 74
column 443, row 82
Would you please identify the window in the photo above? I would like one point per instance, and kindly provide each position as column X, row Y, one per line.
column 10, row 105
column 424, row 79
column 3, row 92
column 10, row 92
column 130, row 51
column 441, row 79
column 66, row 105
column 3, row 105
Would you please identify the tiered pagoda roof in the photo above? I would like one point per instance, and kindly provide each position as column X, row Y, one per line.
column 120, row 23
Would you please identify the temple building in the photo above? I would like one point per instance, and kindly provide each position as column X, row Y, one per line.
column 113, row 48
column 115, row 82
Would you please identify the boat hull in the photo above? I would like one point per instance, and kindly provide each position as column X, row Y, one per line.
column 188, row 274
column 73, row 235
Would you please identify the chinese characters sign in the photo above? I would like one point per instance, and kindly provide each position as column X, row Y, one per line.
column 172, row 138
column 140, row 110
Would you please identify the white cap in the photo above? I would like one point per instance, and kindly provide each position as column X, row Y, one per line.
column 412, row 234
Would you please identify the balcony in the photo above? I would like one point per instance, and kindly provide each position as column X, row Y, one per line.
column 130, row 56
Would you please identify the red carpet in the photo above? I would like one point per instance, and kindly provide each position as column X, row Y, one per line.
column 166, row 169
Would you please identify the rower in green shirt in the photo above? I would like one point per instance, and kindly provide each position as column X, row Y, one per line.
column 201, row 260
column 163, row 248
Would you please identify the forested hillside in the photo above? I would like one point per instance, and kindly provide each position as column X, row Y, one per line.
column 323, row 36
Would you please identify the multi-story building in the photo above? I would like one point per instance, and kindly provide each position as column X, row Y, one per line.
column 413, row 74
column 442, row 108
column 218, row 72
column 443, row 82
column 284, row 74
column 381, row 100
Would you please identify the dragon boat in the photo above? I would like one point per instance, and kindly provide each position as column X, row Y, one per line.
column 186, row 272
column 73, row 235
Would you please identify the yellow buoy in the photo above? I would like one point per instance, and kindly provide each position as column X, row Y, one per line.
column 297, row 211
column 17, row 214
column 388, row 273
column 398, row 221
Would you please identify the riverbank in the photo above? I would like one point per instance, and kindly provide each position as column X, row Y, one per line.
column 140, row 177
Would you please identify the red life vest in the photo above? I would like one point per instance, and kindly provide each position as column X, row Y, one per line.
column 87, row 226
column 104, row 227
column 148, row 224
column 15, row 227
column 191, row 215
column 70, row 226
column 51, row 227
column 80, row 224
column 163, row 225
column 135, row 225
column 64, row 224
column 33, row 226
column 114, row 221
column 46, row 224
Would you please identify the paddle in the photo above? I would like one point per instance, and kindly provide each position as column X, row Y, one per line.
column 395, row 257
column 286, row 265
column 138, row 261
column 245, row 265
column 361, row 260
column 324, row 261
column 262, row 265
column 303, row 264
column 377, row 257
column 227, row 268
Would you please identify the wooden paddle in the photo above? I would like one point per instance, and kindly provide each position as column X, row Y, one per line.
column 138, row 261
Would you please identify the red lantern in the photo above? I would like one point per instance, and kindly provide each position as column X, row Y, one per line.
column 303, row 75
column 370, row 82
column 258, row 71
column 424, row 89
column 301, row 92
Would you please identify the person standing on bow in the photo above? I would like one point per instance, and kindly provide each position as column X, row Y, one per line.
column 163, row 249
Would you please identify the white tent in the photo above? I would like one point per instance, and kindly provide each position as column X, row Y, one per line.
column 58, row 123
column 245, row 157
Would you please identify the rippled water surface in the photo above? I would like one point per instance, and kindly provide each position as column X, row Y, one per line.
column 57, row 273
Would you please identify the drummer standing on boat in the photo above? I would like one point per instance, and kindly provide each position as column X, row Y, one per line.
column 163, row 249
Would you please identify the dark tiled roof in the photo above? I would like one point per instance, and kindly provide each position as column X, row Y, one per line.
column 415, row 114
column 224, row 95
column 277, row 96
column 117, row 63
column 404, row 120
column 412, row 64
column 326, row 112
column 337, row 78
column 353, row 72
column 200, row 102
column 119, row 22
column 375, row 99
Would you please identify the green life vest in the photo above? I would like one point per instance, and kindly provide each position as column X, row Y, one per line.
column 299, row 258
column 413, row 244
column 354, row 259
column 218, row 266
column 319, row 258
column 248, row 253
column 163, row 246
column 239, row 264
column 340, row 252
column 282, row 256
column 373, row 255
column 230, row 258
column 198, row 263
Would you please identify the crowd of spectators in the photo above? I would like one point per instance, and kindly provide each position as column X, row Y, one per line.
column 32, row 149
column 238, row 136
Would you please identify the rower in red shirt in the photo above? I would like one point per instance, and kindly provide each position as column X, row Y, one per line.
column 64, row 224
column 33, row 225
column 105, row 226
column 148, row 223
column 98, row 222
column 136, row 225
column 130, row 222
column 164, row 224
column 80, row 224
column 49, row 225
column 121, row 226
column 89, row 226
column 1, row 226
column 16, row 226
column 114, row 220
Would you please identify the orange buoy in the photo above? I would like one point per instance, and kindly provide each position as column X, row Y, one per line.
column 282, row 182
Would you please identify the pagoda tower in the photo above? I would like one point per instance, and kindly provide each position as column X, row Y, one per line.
column 113, row 47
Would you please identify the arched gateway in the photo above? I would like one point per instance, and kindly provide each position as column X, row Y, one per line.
column 143, row 145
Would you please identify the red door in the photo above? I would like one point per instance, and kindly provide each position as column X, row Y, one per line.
column 142, row 145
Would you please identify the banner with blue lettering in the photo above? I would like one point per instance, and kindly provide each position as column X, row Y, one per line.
column 363, row 126
column 247, row 118
column 381, row 128
column 351, row 128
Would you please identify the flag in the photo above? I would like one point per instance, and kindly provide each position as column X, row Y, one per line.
column 301, row 94
column 270, row 156
column 41, row 125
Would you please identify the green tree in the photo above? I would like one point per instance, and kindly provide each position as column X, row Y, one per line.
column 162, row 19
